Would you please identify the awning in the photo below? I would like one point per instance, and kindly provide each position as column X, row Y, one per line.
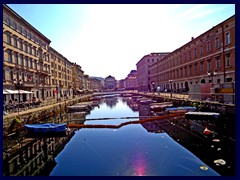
column 9, row 91
column 5, row 92
column 25, row 92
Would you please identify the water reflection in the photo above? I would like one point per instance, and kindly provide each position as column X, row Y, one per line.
column 132, row 150
column 166, row 147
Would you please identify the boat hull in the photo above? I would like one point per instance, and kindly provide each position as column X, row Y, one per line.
column 48, row 127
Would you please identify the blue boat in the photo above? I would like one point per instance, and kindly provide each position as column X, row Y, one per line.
column 45, row 128
column 180, row 109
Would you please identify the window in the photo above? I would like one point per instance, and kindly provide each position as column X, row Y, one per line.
column 9, row 38
column 15, row 41
column 209, row 65
column 201, row 50
column 14, row 25
column 208, row 47
column 35, row 64
column 30, row 49
column 228, row 60
column 10, row 57
column 202, row 67
column 218, row 62
column 8, row 21
column 195, row 52
column 195, row 68
column 26, row 47
column 21, row 44
column 21, row 60
column 26, row 61
column 23, row 77
column 25, row 32
column 34, row 51
column 190, row 69
column 228, row 40
column 20, row 29
column 189, row 55
column 216, row 42
column 16, row 58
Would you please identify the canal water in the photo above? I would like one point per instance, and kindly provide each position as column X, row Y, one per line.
column 164, row 148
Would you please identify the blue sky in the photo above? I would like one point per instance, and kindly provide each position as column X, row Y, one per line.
column 109, row 39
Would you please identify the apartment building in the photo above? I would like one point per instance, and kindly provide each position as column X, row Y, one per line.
column 77, row 79
column 31, row 68
column 208, row 59
column 143, row 69
column 61, row 75
column 26, row 62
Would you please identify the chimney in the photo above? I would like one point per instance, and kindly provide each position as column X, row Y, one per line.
column 192, row 38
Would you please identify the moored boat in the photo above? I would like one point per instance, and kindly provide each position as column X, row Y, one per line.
column 47, row 127
column 181, row 109
column 202, row 115
column 156, row 107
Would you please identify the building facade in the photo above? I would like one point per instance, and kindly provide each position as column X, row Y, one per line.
column 143, row 70
column 209, row 58
column 110, row 83
column 31, row 68
column 131, row 81
column 61, row 75
column 26, row 62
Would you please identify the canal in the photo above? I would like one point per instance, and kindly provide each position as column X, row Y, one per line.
column 168, row 147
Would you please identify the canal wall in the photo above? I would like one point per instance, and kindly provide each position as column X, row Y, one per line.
column 38, row 114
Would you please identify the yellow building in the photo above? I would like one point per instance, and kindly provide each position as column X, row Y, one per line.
column 77, row 79
column 61, row 79
column 26, row 63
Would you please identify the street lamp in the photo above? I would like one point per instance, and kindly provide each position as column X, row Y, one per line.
column 153, row 86
column 212, row 74
column 18, row 85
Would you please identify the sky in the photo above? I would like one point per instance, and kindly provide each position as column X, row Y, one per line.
column 110, row 39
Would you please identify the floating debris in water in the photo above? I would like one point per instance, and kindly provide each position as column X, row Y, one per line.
column 207, row 131
column 216, row 140
column 204, row 168
column 219, row 162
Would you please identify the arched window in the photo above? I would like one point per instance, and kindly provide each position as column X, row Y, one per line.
column 203, row 81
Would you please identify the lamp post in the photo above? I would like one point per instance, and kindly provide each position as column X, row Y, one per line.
column 153, row 86
column 18, row 85
column 170, row 81
column 57, row 91
column 212, row 74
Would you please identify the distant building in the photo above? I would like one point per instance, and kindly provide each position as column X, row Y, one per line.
column 131, row 80
column 143, row 69
column 110, row 83
column 95, row 84
column 122, row 84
